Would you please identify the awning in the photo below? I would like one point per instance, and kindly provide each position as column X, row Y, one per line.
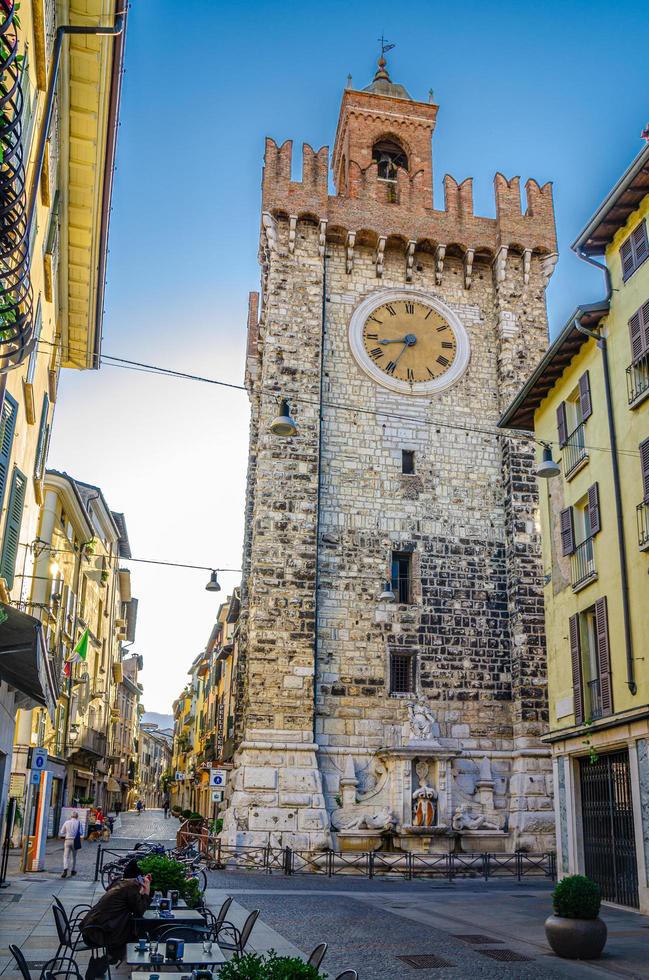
column 113, row 785
column 24, row 663
column 83, row 774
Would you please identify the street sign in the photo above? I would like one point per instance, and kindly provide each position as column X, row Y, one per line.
column 218, row 778
column 17, row 785
column 180, row 776
column 217, row 796
column 39, row 759
column 34, row 777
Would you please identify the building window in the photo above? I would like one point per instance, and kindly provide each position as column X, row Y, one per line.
column 634, row 250
column 402, row 575
column 407, row 461
column 402, row 673
column 571, row 417
column 591, row 663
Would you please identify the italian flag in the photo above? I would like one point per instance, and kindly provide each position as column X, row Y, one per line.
column 79, row 654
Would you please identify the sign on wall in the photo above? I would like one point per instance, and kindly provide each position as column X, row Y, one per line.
column 217, row 796
column 218, row 778
column 17, row 785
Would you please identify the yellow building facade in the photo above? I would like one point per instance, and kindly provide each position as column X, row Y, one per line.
column 58, row 135
column 588, row 402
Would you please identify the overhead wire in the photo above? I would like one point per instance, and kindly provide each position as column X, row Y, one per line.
column 128, row 364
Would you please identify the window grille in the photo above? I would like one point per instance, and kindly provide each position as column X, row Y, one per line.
column 402, row 673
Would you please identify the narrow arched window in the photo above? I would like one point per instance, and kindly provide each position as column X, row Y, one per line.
column 389, row 156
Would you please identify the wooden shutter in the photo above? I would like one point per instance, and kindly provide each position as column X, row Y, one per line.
column 603, row 657
column 43, row 438
column 644, row 463
column 12, row 527
column 7, row 429
column 567, row 531
column 575, row 656
column 637, row 336
column 585, row 402
column 562, row 424
column 640, row 244
column 626, row 257
column 594, row 516
column 644, row 324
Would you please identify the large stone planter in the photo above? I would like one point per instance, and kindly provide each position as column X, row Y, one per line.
column 576, row 939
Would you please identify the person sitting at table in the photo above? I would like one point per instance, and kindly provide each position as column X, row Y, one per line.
column 113, row 917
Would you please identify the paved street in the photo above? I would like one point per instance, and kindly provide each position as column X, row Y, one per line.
column 368, row 924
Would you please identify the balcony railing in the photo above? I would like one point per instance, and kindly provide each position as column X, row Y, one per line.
column 574, row 451
column 642, row 514
column 595, row 703
column 89, row 740
column 637, row 379
column 583, row 564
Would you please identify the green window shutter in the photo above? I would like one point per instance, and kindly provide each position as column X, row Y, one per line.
column 7, row 429
column 12, row 527
column 43, row 438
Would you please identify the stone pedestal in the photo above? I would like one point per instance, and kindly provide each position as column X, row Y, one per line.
column 276, row 794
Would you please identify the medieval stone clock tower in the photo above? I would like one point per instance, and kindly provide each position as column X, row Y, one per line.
column 392, row 662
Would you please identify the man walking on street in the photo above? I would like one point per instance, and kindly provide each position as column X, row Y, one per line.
column 165, row 806
column 71, row 833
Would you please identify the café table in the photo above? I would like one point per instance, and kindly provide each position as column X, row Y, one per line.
column 194, row 957
column 151, row 922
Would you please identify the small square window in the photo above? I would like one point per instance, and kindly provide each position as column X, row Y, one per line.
column 402, row 673
column 407, row 461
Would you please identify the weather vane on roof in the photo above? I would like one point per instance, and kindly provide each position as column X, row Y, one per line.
column 385, row 45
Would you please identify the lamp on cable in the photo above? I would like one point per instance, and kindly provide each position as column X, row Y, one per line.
column 547, row 468
column 387, row 595
column 213, row 584
column 283, row 425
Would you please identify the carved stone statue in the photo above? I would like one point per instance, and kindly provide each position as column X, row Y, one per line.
column 424, row 807
column 421, row 720
column 381, row 820
column 465, row 821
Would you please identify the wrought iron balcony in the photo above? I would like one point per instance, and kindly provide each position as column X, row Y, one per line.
column 595, row 702
column 582, row 564
column 574, row 451
column 88, row 740
column 642, row 514
column 637, row 379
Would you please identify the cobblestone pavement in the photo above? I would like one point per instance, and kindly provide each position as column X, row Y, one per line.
column 368, row 924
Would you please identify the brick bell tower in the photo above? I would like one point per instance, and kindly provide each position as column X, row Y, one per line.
column 392, row 662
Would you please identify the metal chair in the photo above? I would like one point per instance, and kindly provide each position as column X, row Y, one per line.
column 217, row 923
column 317, row 956
column 240, row 937
column 67, row 940
column 189, row 934
column 76, row 913
column 347, row 975
column 47, row 971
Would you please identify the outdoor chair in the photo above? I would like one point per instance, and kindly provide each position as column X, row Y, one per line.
column 347, row 975
column 239, row 937
column 189, row 934
column 217, row 923
column 317, row 956
column 67, row 939
column 48, row 970
column 75, row 915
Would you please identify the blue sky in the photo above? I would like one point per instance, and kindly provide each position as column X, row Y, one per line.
column 555, row 91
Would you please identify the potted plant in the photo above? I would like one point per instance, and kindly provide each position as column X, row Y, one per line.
column 168, row 874
column 252, row 966
column 575, row 931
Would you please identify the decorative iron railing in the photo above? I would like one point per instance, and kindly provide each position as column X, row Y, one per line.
column 574, row 450
column 637, row 378
column 583, row 563
column 642, row 515
column 16, row 322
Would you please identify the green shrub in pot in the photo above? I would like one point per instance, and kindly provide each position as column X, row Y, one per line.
column 186, row 814
column 575, row 931
column 270, row 966
column 167, row 874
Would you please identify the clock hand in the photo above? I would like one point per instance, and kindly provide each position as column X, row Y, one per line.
column 397, row 340
column 404, row 348
column 408, row 340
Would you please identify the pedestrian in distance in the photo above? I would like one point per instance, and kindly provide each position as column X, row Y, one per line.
column 165, row 806
column 71, row 834
column 139, row 807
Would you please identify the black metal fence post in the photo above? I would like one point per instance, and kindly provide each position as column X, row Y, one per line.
column 330, row 863
column 98, row 861
column 519, row 864
column 485, row 865
column 409, row 864
column 370, row 864
column 287, row 860
column 552, row 866
column 449, row 859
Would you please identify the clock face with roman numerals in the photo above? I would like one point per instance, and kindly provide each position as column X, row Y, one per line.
column 409, row 341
